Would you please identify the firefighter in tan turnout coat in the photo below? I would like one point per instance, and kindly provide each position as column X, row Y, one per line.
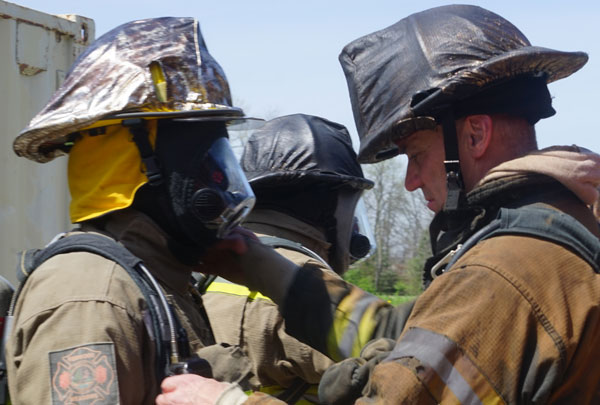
column 142, row 115
column 305, row 209
column 510, row 312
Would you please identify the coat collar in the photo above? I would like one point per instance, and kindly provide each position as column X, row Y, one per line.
column 274, row 223
column 142, row 237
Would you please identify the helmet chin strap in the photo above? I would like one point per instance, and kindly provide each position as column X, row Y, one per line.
column 140, row 134
column 153, row 201
column 455, row 200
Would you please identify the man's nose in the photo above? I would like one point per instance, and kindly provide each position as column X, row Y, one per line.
column 412, row 180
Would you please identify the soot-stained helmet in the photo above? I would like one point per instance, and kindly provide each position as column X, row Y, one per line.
column 401, row 77
column 306, row 167
column 303, row 149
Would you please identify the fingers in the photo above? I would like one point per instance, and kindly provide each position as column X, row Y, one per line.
column 190, row 389
column 233, row 243
column 167, row 385
column 161, row 400
column 245, row 232
column 222, row 258
column 182, row 380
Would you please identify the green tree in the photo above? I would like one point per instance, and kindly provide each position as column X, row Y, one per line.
column 361, row 276
column 399, row 220
column 410, row 283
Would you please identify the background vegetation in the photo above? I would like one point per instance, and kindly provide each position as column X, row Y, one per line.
column 399, row 220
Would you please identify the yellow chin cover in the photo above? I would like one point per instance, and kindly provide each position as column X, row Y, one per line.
column 105, row 171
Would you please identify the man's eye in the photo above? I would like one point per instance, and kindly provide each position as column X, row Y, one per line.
column 415, row 156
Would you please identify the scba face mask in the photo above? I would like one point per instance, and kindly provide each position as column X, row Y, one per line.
column 215, row 192
column 207, row 190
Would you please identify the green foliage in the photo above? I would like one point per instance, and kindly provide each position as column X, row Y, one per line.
column 396, row 300
column 403, row 287
column 394, row 280
column 361, row 277
column 387, row 281
column 411, row 284
column 393, row 289
column 399, row 221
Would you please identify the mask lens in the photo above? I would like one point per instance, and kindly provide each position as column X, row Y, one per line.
column 229, row 198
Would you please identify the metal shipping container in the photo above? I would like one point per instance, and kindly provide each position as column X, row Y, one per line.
column 36, row 51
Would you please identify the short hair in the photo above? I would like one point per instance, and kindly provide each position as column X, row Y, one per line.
column 516, row 133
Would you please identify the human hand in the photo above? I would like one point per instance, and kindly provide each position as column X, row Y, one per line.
column 241, row 258
column 222, row 258
column 190, row 389
column 343, row 382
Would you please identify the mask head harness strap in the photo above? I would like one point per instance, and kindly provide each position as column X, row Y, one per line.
column 137, row 127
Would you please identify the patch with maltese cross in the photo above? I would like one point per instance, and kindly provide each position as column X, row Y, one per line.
column 84, row 375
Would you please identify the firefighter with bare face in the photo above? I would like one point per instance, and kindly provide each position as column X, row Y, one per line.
column 509, row 314
column 108, row 309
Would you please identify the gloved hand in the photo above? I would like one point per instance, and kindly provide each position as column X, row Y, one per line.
column 228, row 363
column 343, row 382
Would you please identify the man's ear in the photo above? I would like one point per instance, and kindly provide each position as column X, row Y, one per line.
column 477, row 134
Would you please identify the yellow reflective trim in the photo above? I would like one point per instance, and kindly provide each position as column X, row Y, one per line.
column 272, row 389
column 235, row 289
column 341, row 321
column 444, row 368
column 275, row 390
column 365, row 329
column 477, row 381
column 160, row 83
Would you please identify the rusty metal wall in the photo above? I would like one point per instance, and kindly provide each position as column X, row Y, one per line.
column 36, row 51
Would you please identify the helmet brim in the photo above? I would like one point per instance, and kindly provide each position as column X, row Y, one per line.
column 44, row 144
column 153, row 68
column 527, row 60
column 298, row 178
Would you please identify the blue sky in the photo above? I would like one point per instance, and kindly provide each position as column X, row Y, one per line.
column 281, row 56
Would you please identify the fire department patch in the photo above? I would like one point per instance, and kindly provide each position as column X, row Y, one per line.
column 84, row 375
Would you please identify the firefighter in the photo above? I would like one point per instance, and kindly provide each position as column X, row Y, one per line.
column 306, row 210
column 108, row 309
column 510, row 311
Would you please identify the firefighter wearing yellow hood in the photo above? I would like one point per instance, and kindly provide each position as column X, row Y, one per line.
column 143, row 115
